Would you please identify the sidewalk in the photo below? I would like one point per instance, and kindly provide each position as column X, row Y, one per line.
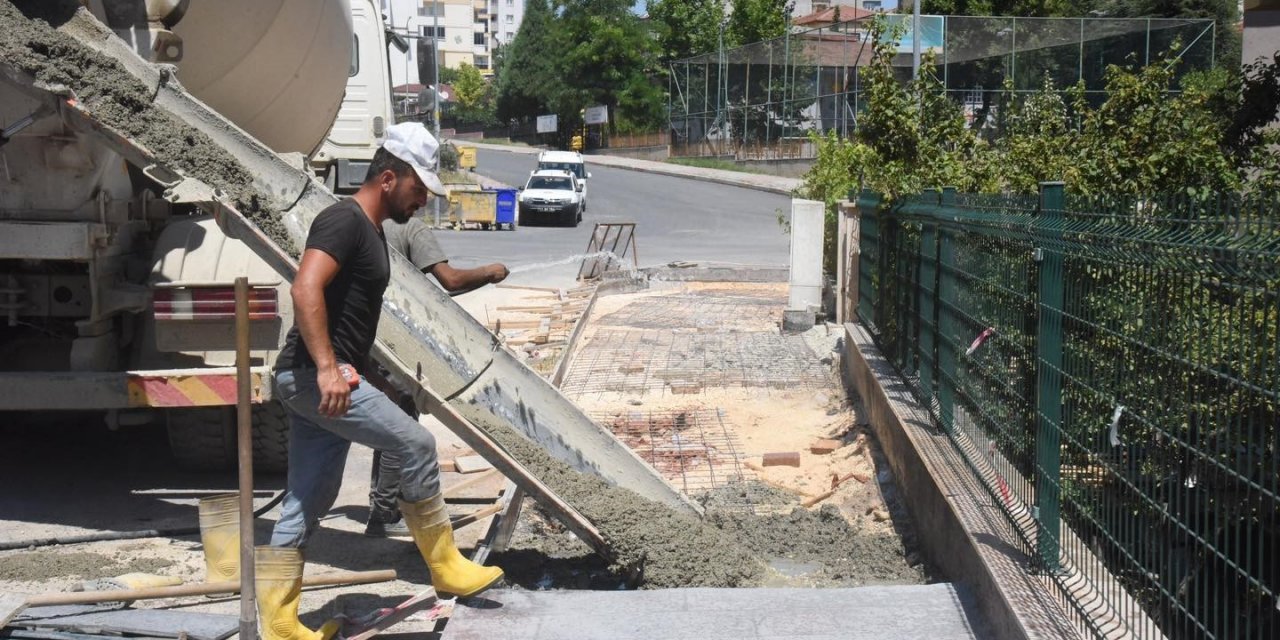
column 772, row 184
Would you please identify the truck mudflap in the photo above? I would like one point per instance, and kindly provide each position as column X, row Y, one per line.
column 152, row 389
column 459, row 372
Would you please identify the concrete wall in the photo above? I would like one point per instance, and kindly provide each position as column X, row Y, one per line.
column 957, row 526
column 657, row 154
column 791, row 168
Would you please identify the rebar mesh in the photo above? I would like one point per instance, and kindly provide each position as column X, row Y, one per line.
column 708, row 309
column 692, row 448
column 640, row 361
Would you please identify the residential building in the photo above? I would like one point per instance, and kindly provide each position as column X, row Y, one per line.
column 451, row 22
column 825, row 18
column 507, row 17
column 465, row 31
column 808, row 7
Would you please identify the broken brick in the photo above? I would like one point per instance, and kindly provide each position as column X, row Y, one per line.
column 825, row 446
column 685, row 388
column 782, row 458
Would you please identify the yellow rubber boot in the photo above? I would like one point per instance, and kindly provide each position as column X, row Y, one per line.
column 220, row 536
column 278, row 580
column 451, row 573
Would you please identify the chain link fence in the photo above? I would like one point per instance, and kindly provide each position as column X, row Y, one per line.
column 755, row 101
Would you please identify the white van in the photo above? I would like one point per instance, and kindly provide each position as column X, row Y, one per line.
column 570, row 161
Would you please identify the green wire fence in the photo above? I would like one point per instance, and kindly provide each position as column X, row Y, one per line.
column 1111, row 369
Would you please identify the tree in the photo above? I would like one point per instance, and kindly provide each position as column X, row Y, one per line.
column 469, row 88
column 756, row 20
column 686, row 28
column 610, row 64
column 528, row 64
column 473, row 97
column 1020, row 8
column 1224, row 12
column 579, row 53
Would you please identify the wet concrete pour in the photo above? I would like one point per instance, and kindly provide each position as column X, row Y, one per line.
column 781, row 543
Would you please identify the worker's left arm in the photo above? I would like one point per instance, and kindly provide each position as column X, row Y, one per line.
column 420, row 246
column 457, row 281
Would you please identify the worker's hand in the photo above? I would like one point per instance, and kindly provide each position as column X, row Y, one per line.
column 497, row 272
column 335, row 392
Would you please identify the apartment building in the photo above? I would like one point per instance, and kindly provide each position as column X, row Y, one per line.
column 807, row 7
column 465, row 31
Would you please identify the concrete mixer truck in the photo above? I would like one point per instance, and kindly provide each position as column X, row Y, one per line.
column 128, row 204
column 114, row 300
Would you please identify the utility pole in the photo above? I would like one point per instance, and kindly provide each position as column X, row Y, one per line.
column 435, row 87
column 915, row 39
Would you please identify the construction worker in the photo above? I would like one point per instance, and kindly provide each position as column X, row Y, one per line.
column 416, row 242
column 337, row 298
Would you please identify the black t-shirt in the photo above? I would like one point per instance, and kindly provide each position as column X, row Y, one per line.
column 354, row 298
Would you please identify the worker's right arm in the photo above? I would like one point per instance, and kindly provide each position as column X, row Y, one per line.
column 317, row 270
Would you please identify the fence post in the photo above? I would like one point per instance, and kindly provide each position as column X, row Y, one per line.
column 1049, row 373
column 867, row 301
column 926, row 292
column 850, row 252
column 947, row 293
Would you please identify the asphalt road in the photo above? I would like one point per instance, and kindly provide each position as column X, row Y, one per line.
column 676, row 219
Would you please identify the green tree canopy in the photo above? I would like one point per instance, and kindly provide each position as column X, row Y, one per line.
column 686, row 28
column 577, row 53
column 469, row 86
column 756, row 20
column 528, row 63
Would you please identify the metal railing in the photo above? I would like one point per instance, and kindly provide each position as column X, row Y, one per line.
column 1111, row 370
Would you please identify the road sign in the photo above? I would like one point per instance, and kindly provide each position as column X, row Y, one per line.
column 547, row 124
column 597, row 115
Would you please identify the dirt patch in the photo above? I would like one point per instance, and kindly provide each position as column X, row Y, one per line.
column 38, row 566
column 101, row 86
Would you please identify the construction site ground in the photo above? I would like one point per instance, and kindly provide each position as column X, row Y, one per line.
column 695, row 376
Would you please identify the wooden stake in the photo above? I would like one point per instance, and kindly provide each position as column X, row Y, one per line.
column 244, row 436
column 477, row 515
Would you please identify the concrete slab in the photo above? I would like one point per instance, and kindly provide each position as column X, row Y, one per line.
column 936, row 612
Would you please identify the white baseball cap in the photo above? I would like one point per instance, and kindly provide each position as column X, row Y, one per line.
column 412, row 143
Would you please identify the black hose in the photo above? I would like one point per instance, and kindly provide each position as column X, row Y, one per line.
column 124, row 535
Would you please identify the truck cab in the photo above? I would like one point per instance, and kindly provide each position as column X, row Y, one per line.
column 343, row 159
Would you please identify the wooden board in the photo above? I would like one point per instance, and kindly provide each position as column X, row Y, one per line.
column 471, row 464
column 161, row 623
column 376, row 622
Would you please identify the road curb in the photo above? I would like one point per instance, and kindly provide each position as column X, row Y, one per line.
column 731, row 178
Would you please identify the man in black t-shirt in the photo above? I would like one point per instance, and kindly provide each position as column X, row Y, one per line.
column 416, row 242
column 337, row 298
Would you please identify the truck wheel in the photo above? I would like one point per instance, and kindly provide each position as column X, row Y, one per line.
column 270, row 437
column 204, row 438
